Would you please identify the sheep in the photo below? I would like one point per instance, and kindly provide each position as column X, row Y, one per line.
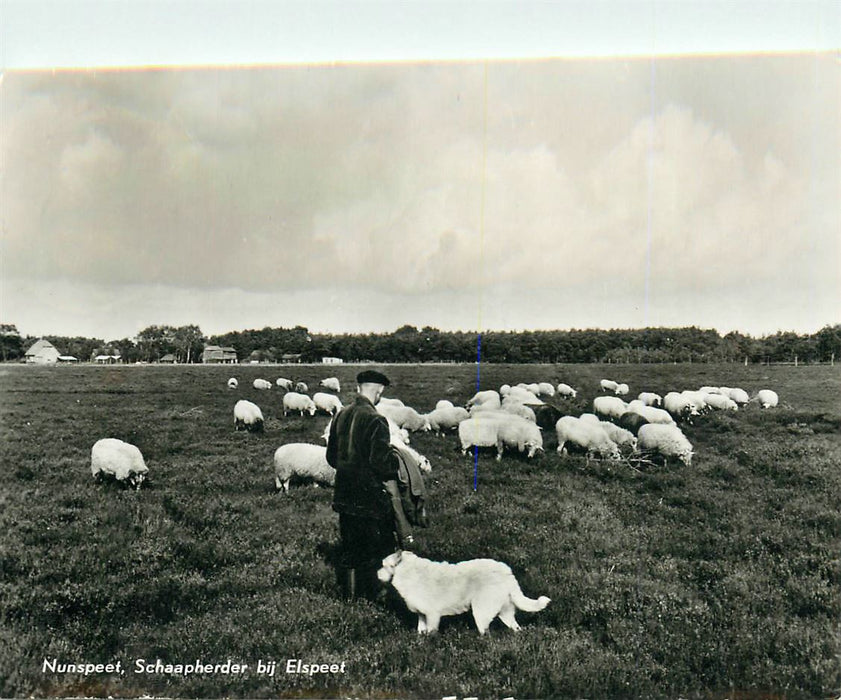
column 567, row 391
column 620, row 436
column 767, row 398
column 545, row 389
column 590, row 418
column 329, row 403
column 446, row 418
column 294, row 401
column 698, row 399
column 534, row 388
column 622, row 390
column 631, row 421
column 331, row 383
column 585, row 436
column 650, row 413
column 546, row 416
column 480, row 432
column 650, row 398
column 389, row 402
column 519, row 409
column 609, row 385
column 522, row 434
column 261, row 384
column 422, row 462
column 301, row 387
column 720, row 402
column 517, row 393
column 739, row 396
column 609, row 406
column 444, row 403
column 504, row 389
column 247, row 416
column 405, row 416
column 666, row 440
column 302, row 460
column 396, row 434
column 489, row 398
column 284, row 383
column 679, row 406
column 123, row 461
column 233, row 383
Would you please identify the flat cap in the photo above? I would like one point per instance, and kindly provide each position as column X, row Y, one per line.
column 370, row 375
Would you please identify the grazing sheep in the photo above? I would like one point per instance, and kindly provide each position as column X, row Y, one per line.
column 331, row 383
column 405, row 416
column 590, row 418
column 261, row 384
column 519, row 409
column 609, row 385
column 768, row 398
column 567, row 390
column 302, row 460
column 650, row 398
column 522, row 434
column 294, row 401
column 739, row 396
column 504, row 389
column 487, row 399
column 396, row 434
column 444, row 403
column 586, row 437
column 546, row 416
column 622, row 390
column 719, row 402
column 668, row 441
column 118, row 459
column 248, row 416
column 389, row 402
column 651, row 414
column 301, row 387
column 482, row 431
column 524, row 396
column 446, row 418
column 285, row 383
column 679, row 406
column 698, row 399
column 621, row 436
column 329, row 403
column 631, row 422
column 545, row 389
column 609, row 406
column 233, row 383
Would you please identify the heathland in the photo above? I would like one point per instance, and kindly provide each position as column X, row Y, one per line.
column 720, row 579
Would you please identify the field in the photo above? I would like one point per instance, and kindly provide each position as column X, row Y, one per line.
column 719, row 580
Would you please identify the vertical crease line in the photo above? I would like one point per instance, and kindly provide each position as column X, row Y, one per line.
column 483, row 182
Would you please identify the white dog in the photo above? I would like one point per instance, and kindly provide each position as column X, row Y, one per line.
column 432, row 589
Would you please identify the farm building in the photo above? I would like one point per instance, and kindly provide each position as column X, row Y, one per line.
column 42, row 353
column 291, row 357
column 106, row 359
column 168, row 359
column 67, row 358
column 215, row 354
column 331, row 360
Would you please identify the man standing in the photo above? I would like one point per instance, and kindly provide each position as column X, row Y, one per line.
column 366, row 494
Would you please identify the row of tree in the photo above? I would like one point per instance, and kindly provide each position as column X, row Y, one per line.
column 410, row 344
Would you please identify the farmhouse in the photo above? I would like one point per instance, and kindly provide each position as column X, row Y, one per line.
column 216, row 354
column 331, row 360
column 168, row 359
column 106, row 359
column 42, row 353
column 291, row 357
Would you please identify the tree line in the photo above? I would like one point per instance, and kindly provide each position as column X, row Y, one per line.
column 428, row 344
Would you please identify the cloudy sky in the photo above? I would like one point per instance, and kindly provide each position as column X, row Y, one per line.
column 472, row 194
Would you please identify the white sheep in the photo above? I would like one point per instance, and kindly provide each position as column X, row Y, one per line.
column 482, row 431
column 389, row 402
column 295, row 401
column 522, row 434
column 649, row 398
column 443, row 403
column 487, row 399
column 262, row 384
column 719, row 402
column 609, row 385
column 397, row 435
column 286, row 384
column 519, row 409
column 679, row 406
column 622, row 437
column 331, row 383
column 567, row 390
column 504, row 389
column 301, row 387
column 534, row 388
column 329, row 403
column 650, row 413
column 740, row 396
column 545, row 389
column 622, row 390
column 524, row 396
column 300, row 459
column 247, row 416
column 590, row 418
column 422, row 462
column 446, row 418
column 767, row 398
column 405, row 416
column 698, row 399
column 590, row 438
column 121, row 460
column 609, row 406
column 233, row 383
column 666, row 440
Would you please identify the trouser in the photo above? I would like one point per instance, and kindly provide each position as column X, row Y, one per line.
column 365, row 542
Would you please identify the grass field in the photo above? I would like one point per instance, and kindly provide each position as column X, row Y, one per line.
column 719, row 580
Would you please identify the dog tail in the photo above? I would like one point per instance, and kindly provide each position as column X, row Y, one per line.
column 528, row 604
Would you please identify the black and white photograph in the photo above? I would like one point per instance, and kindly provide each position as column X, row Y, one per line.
column 420, row 350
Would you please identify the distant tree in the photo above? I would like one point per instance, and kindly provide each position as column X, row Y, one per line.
column 188, row 341
column 11, row 344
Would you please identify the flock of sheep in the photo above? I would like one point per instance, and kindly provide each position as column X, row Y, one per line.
column 513, row 418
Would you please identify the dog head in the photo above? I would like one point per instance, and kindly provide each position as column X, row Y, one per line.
column 390, row 563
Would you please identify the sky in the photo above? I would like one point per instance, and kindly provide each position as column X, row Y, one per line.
column 470, row 166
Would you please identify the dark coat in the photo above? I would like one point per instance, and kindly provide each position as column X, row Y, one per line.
column 359, row 449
